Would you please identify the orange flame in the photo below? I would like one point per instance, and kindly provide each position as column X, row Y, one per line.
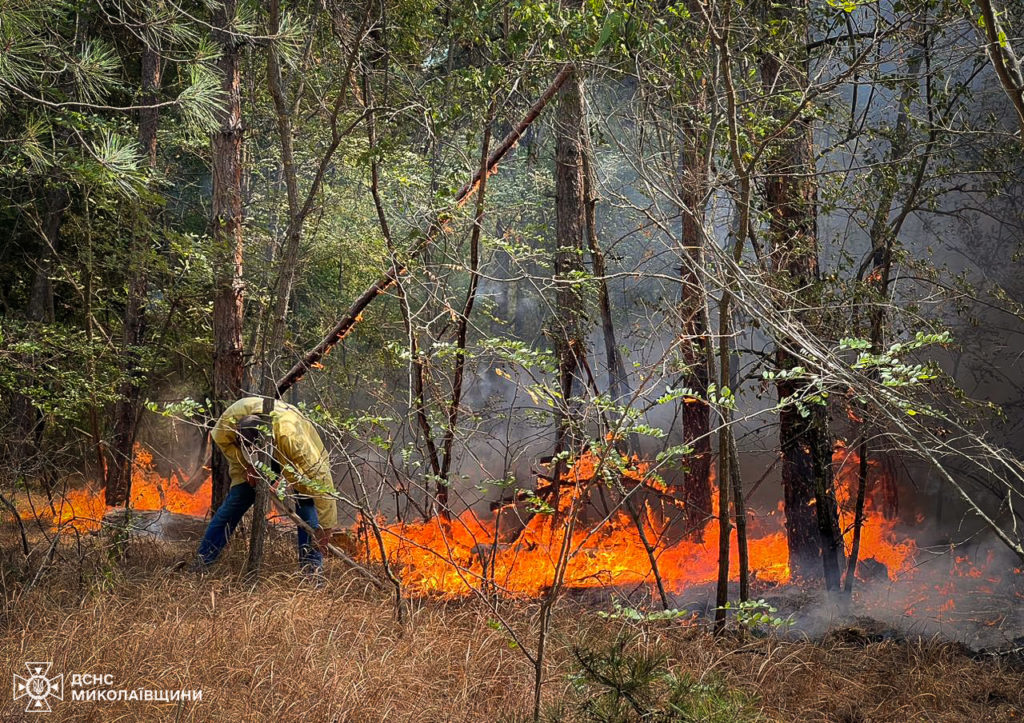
column 84, row 509
column 448, row 558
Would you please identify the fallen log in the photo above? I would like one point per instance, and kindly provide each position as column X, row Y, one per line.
column 398, row 268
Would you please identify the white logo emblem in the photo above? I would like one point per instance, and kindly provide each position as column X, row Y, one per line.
column 38, row 687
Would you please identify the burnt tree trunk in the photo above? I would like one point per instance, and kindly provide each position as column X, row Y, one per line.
column 121, row 448
column 812, row 521
column 566, row 324
column 226, row 234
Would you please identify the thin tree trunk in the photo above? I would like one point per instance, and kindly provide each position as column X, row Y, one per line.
column 282, row 288
column 740, row 512
column 544, row 616
column 650, row 549
column 858, row 514
column 463, row 323
column 724, row 467
column 726, row 441
column 417, row 371
column 882, row 236
column 226, row 234
column 121, row 448
column 618, row 380
column 21, row 524
column 287, row 267
column 90, row 323
column 742, row 232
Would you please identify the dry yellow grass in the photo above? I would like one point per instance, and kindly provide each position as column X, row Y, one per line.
column 280, row 652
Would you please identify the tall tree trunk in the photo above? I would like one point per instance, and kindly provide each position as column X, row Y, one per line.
column 812, row 521
column 299, row 209
column 226, row 234
column 566, row 325
column 696, row 341
column 725, row 377
column 725, row 435
column 286, row 271
column 418, row 361
column 461, row 336
column 121, row 448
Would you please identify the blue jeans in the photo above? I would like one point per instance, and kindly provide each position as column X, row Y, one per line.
column 238, row 501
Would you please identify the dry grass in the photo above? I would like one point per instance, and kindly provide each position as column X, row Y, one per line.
column 279, row 652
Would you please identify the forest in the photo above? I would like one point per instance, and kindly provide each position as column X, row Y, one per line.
column 659, row 361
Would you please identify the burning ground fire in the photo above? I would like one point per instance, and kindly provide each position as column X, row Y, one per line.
column 443, row 557
column 446, row 557
column 83, row 509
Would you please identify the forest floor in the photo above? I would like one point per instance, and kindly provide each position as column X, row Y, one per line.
column 282, row 651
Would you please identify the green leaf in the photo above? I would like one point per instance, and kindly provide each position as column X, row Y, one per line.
column 610, row 25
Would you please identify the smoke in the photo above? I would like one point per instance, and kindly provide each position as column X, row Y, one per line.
column 969, row 594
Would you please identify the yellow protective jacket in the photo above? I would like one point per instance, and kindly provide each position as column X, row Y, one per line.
column 297, row 448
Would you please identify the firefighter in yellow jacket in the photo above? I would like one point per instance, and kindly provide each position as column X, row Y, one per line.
column 298, row 455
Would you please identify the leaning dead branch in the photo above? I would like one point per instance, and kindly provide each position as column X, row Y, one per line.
column 354, row 313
